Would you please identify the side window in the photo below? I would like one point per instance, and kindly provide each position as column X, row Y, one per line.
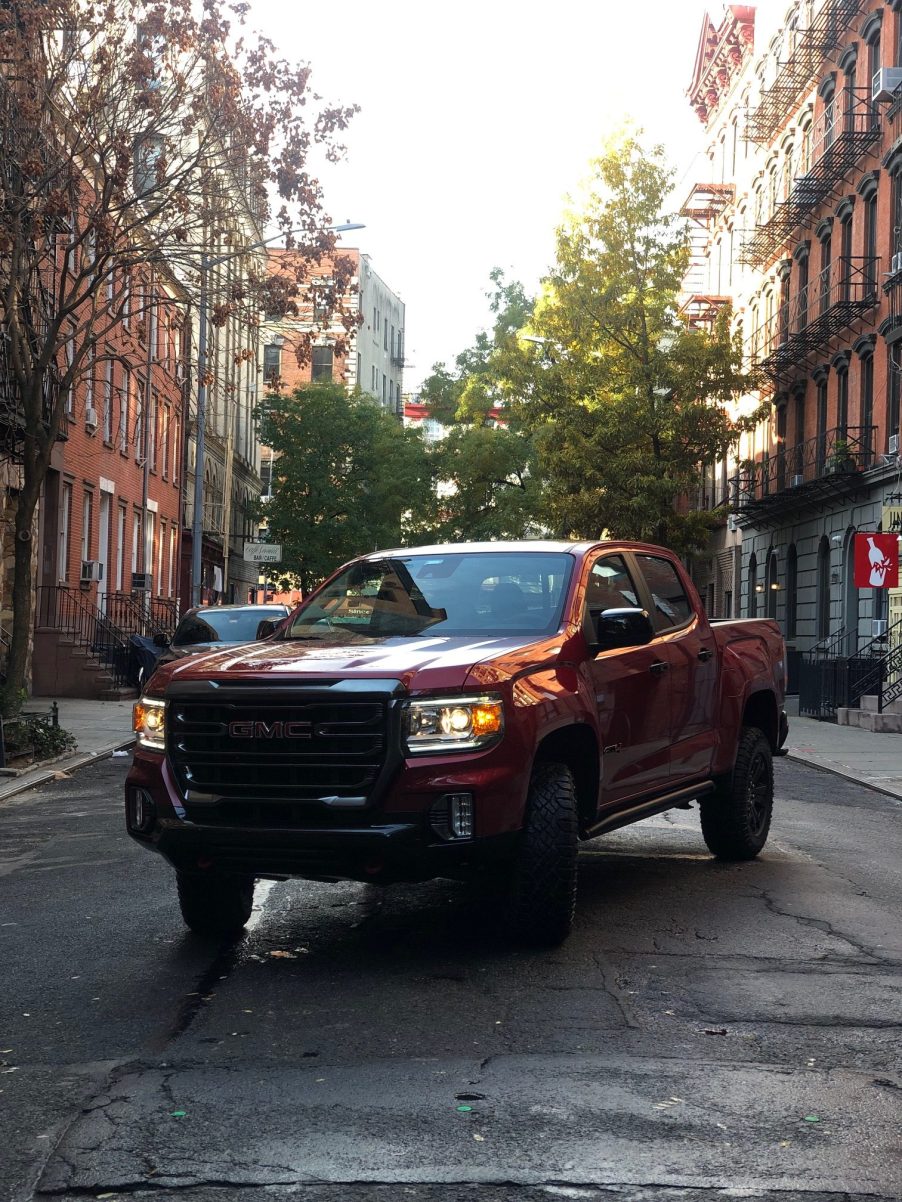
column 609, row 585
column 671, row 605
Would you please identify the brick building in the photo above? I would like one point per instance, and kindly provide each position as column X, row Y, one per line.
column 112, row 500
column 819, row 225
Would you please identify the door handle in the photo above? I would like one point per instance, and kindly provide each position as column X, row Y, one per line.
column 705, row 654
column 659, row 667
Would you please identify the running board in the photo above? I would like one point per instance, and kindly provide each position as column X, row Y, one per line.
column 646, row 809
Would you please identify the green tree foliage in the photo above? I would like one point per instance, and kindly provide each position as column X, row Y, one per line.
column 486, row 487
column 348, row 479
column 486, row 484
column 623, row 401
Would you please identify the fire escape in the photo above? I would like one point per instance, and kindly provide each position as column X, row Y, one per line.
column 703, row 206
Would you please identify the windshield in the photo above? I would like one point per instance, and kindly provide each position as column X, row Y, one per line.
column 223, row 625
column 480, row 593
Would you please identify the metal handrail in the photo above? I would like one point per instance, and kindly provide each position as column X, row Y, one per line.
column 63, row 609
column 131, row 615
column 165, row 613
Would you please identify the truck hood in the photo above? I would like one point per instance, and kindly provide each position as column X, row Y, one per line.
column 418, row 663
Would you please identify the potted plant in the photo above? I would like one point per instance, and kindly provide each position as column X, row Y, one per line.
column 841, row 458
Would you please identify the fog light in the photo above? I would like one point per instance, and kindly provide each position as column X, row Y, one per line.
column 461, row 805
column 142, row 811
column 451, row 817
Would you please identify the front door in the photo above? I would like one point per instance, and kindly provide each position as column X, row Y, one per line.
column 687, row 642
column 632, row 694
column 103, row 548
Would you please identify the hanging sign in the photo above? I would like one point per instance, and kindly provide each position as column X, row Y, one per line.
column 263, row 552
column 876, row 561
column 892, row 519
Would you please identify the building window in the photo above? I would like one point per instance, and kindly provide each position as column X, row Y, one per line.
column 321, row 307
column 771, row 585
column 87, row 511
column 165, row 432
column 152, row 417
column 176, row 448
column 842, row 400
column 823, row 588
column 753, row 586
column 108, row 402
column 867, row 404
column 173, row 551
column 821, row 425
column 826, row 264
column 792, row 605
column 870, row 230
column 120, row 547
column 272, row 364
column 62, row 565
column 893, row 389
column 136, row 538
column 322, row 363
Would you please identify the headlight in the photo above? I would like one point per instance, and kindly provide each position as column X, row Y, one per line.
column 149, row 723
column 452, row 724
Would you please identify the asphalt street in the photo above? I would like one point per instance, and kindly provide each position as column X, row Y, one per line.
column 706, row 1028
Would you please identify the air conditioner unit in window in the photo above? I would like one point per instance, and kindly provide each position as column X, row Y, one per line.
column 795, row 481
column 892, row 446
column 878, row 628
column 91, row 418
column 895, row 264
column 732, row 524
column 91, row 569
column 885, row 83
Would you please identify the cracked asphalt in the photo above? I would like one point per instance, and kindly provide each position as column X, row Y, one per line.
column 708, row 1029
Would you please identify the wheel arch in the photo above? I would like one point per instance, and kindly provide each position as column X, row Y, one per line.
column 576, row 746
column 760, row 710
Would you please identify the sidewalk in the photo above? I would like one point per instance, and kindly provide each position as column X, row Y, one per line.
column 858, row 755
column 99, row 727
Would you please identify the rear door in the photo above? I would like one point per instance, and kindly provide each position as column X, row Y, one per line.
column 688, row 645
column 632, row 693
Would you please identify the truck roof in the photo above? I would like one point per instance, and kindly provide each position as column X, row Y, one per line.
column 527, row 544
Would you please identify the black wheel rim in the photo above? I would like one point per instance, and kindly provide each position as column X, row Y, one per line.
column 758, row 795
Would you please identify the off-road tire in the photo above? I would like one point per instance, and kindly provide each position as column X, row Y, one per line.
column 736, row 816
column 541, row 894
column 215, row 905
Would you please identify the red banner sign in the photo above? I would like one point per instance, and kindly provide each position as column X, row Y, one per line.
column 876, row 561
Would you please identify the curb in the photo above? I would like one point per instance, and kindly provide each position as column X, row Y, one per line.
column 852, row 780
column 80, row 761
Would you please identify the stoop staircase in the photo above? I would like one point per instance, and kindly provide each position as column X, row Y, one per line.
column 78, row 650
column 880, row 692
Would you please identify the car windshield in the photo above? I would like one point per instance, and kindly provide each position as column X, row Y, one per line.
column 485, row 594
column 223, row 625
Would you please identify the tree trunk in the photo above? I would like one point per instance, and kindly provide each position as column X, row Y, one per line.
column 12, row 693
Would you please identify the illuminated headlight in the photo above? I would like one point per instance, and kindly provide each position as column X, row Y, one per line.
column 452, row 724
column 149, row 723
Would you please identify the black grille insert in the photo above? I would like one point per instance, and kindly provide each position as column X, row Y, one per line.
column 279, row 750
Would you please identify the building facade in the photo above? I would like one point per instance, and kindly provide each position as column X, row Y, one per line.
column 816, row 243
column 348, row 326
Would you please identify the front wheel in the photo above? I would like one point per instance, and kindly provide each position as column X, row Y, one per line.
column 215, row 905
column 736, row 816
column 542, row 887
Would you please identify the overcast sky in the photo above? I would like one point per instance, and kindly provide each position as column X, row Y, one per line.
column 476, row 119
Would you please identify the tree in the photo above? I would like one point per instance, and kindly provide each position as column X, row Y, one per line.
column 487, row 487
column 624, row 402
column 347, row 478
column 128, row 129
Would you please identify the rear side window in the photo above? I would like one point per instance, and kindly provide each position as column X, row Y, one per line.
column 670, row 605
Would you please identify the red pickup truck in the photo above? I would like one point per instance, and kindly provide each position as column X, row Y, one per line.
column 465, row 709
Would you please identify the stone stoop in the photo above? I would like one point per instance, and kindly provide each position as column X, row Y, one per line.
column 62, row 668
column 889, row 722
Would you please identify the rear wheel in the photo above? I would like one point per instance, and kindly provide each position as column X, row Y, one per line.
column 736, row 817
column 214, row 904
column 542, row 886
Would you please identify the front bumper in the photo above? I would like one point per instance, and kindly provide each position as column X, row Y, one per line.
column 393, row 841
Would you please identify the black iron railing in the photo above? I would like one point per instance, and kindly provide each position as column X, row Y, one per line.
column 826, row 466
column 845, row 131
column 839, row 675
column 799, row 71
column 841, row 295
column 164, row 613
column 64, row 609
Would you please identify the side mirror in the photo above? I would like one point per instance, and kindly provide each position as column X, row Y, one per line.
column 622, row 628
column 267, row 627
column 160, row 640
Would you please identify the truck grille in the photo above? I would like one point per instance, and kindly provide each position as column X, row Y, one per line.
column 286, row 752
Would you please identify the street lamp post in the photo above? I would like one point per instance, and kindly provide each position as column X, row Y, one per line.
column 197, row 524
